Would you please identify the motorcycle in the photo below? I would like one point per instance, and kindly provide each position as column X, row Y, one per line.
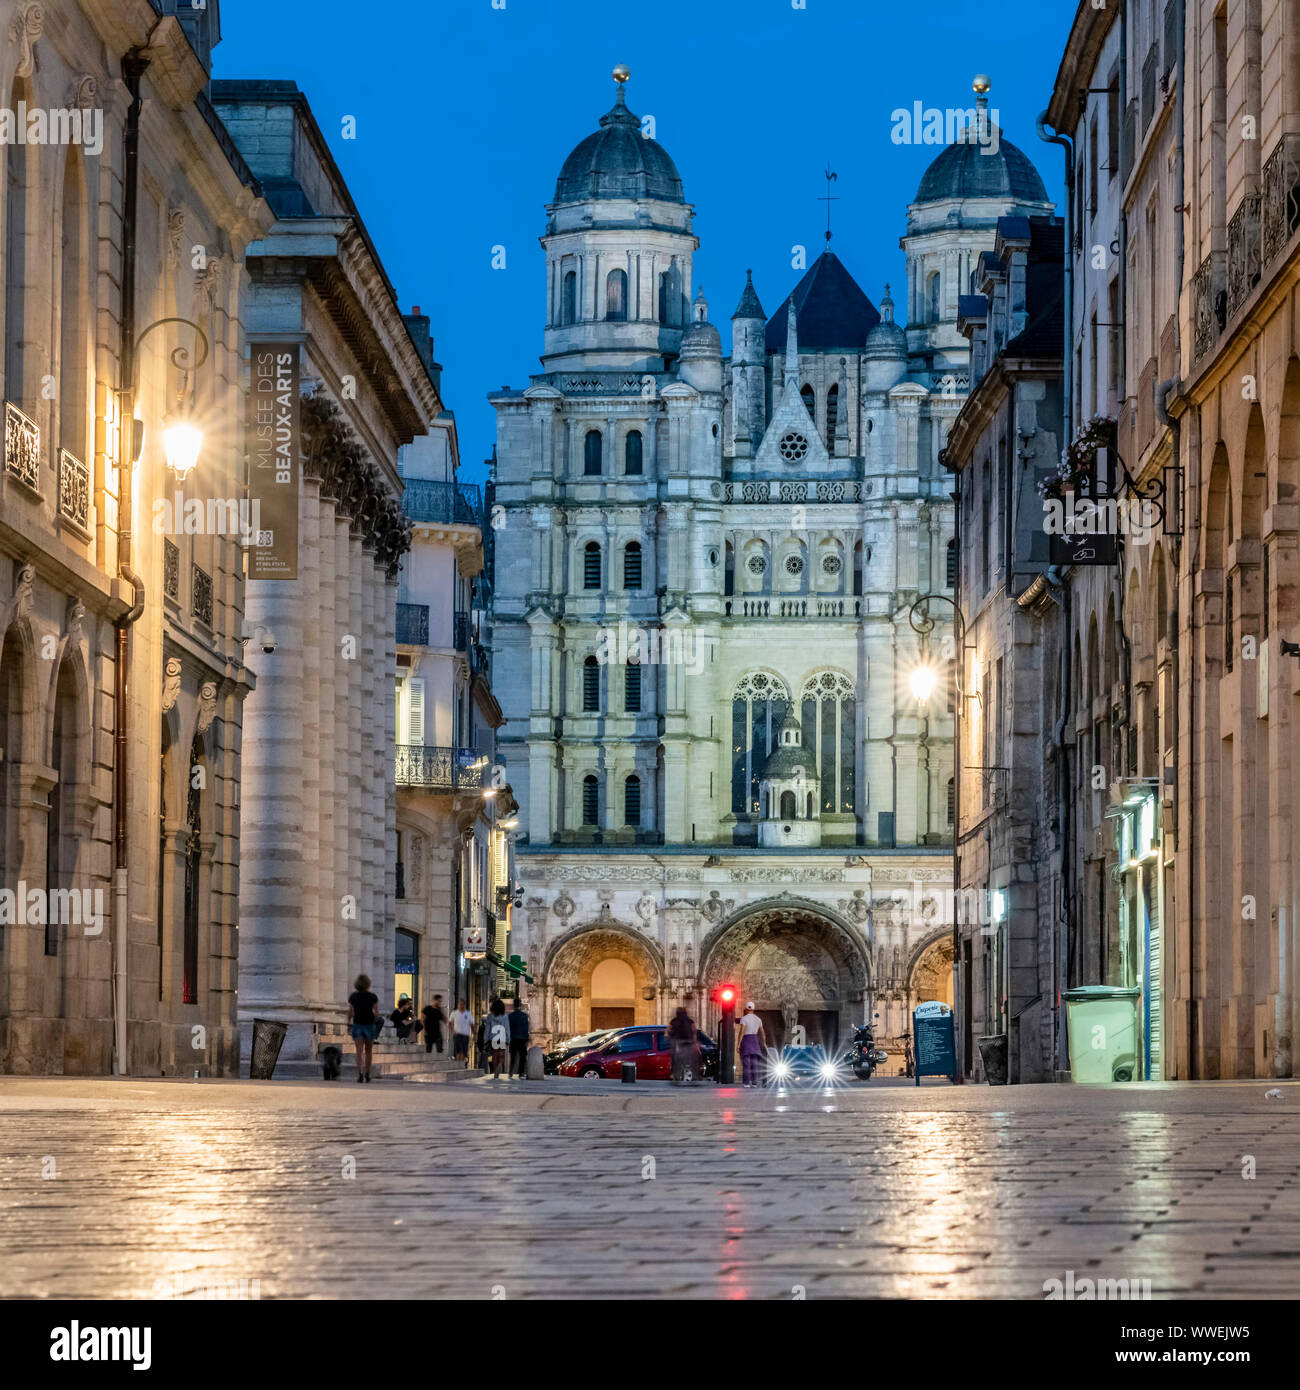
column 864, row 1055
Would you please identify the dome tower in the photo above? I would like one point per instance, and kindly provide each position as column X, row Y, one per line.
column 618, row 251
column 977, row 179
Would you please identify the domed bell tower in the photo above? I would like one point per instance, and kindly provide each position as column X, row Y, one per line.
column 618, row 248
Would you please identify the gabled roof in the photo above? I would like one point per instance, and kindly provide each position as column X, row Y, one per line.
column 831, row 310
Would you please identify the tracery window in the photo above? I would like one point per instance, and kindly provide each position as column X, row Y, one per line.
column 828, row 719
column 758, row 705
column 616, row 295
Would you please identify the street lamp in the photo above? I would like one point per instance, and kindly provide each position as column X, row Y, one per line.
column 923, row 681
column 182, row 438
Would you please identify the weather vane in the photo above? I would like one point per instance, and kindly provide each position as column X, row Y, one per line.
column 828, row 200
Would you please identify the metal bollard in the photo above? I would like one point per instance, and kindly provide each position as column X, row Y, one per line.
column 629, row 1073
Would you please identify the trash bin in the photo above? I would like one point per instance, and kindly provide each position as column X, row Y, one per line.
column 993, row 1056
column 268, row 1039
column 1102, row 1020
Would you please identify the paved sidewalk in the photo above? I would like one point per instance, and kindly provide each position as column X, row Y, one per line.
column 591, row 1189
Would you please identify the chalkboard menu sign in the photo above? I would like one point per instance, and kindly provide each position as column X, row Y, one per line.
column 934, row 1032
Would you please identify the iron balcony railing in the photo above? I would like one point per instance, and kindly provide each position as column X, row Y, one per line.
column 447, row 504
column 1281, row 198
column 1209, row 302
column 439, row 769
column 1244, row 262
column 413, row 624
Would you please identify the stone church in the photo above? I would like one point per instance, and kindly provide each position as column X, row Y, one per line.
column 703, row 622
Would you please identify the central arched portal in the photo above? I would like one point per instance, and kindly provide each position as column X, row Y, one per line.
column 803, row 970
column 601, row 976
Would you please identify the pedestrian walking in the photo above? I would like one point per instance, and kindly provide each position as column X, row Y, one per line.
column 753, row 1041
column 521, row 1031
column 434, row 1018
column 681, row 1033
column 496, row 1037
column 462, row 1026
column 363, row 1023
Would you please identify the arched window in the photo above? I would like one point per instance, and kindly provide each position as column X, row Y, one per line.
column 857, row 569
column 952, row 801
column 591, row 454
column 632, row 454
column 932, row 295
column 757, row 708
column 632, row 801
column 632, row 689
column 590, row 801
column 591, row 566
column 787, row 805
column 616, row 295
column 20, row 181
column 809, row 400
column 729, row 571
column 832, row 416
column 827, row 714
column 665, row 294
column 950, row 573
column 193, row 866
column 60, row 834
column 632, row 565
column 73, row 407
column 590, row 685
column 569, row 298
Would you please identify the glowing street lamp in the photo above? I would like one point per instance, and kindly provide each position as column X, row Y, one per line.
column 923, row 681
column 182, row 440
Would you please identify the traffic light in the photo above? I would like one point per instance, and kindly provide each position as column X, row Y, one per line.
column 725, row 997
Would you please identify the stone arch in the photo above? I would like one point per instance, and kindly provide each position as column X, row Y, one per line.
column 801, row 963
column 929, row 966
column 571, row 960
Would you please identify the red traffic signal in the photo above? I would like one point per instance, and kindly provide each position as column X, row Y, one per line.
column 726, row 996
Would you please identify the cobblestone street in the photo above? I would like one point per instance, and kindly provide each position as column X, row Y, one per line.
column 590, row 1189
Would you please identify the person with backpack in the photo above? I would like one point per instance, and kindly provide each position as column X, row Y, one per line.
column 496, row 1037
column 520, row 1033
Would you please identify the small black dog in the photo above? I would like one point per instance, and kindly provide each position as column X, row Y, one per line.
column 332, row 1062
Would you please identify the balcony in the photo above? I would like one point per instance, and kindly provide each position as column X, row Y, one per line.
column 1209, row 302
column 1244, row 261
column 74, row 489
column 22, row 446
column 438, row 769
column 443, row 504
column 803, row 606
column 480, row 660
column 413, row 624
column 760, row 490
column 1280, row 214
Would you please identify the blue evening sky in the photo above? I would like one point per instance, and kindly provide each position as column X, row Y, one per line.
column 464, row 114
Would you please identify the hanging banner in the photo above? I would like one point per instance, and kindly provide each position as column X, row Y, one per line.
column 273, row 460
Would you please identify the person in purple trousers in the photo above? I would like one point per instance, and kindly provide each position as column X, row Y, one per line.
column 753, row 1043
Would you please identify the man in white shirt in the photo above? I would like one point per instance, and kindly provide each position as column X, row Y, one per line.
column 753, row 1042
column 462, row 1026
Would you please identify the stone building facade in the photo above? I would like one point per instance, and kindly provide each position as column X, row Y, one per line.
column 93, row 546
column 318, row 877
column 454, row 813
column 693, row 548
column 1006, row 443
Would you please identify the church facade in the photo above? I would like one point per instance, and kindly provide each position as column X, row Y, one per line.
column 706, row 579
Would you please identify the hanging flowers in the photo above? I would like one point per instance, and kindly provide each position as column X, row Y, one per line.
column 1078, row 457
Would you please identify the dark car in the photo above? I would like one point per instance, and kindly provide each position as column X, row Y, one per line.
column 648, row 1047
column 573, row 1047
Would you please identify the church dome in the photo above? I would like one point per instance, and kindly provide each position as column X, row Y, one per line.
column 701, row 339
column 964, row 170
column 790, row 758
column 886, row 339
column 617, row 161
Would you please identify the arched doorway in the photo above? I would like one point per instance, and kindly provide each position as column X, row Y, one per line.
column 931, row 975
column 601, row 977
column 803, row 969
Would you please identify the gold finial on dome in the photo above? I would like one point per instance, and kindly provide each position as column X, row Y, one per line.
column 621, row 73
column 981, row 84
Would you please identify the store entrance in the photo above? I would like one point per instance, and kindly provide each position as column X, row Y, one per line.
column 406, row 968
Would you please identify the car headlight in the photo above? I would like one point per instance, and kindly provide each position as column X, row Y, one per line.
column 782, row 1069
column 828, row 1070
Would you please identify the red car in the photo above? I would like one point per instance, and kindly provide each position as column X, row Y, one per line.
column 649, row 1048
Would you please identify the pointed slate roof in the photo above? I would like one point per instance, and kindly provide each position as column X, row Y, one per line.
column 833, row 312
column 749, row 307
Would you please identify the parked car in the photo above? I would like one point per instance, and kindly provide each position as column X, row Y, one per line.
column 648, row 1047
column 572, row 1047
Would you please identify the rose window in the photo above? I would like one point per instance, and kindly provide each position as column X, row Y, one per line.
column 793, row 447
column 794, row 564
column 757, row 564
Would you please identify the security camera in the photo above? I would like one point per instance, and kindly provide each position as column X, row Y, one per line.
column 264, row 635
